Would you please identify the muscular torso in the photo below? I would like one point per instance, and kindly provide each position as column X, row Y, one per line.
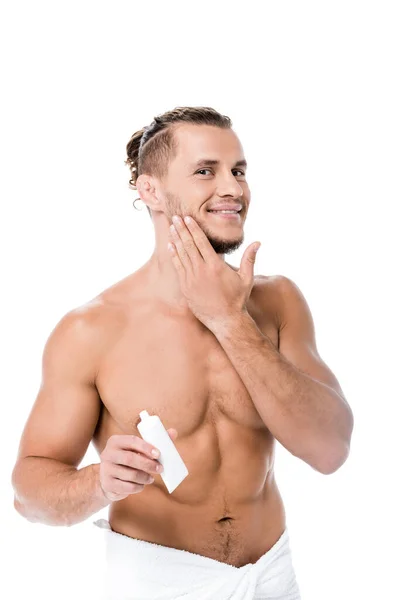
column 158, row 359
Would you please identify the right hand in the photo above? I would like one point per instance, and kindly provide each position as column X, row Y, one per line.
column 127, row 464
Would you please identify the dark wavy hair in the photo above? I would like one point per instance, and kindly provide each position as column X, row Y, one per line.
column 151, row 149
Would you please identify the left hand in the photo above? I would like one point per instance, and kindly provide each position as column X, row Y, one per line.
column 212, row 289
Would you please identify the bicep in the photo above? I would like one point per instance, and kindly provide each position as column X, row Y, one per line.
column 67, row 407
column 297, row 341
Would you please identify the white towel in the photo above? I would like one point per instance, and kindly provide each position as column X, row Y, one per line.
column 139, row 570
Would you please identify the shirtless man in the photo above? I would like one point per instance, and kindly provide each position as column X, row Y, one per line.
column 226, row 359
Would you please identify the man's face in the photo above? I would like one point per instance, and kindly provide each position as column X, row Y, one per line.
column 193, row 189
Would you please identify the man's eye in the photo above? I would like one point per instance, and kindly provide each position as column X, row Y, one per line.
column 239, row 170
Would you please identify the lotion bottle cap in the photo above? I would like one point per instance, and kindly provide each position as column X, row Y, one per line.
column 144, row 414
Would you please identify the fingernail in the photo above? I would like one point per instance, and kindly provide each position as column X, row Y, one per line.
column 155, row 453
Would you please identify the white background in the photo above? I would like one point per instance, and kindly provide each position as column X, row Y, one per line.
column 313, row 92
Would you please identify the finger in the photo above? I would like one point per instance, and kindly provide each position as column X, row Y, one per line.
column 247, row 263
column 180, row 249
column 132, row 442
column 134, row 460
column 176, row 261
column 188, row 241
column 206, row 250
column 132, row 475
column 125, row 487
column 173, row 433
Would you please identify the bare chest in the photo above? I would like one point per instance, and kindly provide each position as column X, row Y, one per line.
column 177, row 369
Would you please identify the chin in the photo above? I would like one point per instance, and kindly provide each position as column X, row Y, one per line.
column 225, row 246
column 221, row 245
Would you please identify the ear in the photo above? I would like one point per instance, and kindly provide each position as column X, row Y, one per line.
column 146, row 187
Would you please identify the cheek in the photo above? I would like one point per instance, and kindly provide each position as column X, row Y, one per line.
column 206, row 189
column 197, row 196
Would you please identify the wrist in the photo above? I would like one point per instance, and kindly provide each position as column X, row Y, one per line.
column 99, row 492
column 228, row 323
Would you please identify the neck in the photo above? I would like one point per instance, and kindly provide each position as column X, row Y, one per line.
column 163, row 276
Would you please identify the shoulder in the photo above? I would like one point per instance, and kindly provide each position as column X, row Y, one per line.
column 280, row 286
column 122, row 294
column 265, row 298
column 277, row 293
column 80, row 336
column 80, row 325
column 292, row 301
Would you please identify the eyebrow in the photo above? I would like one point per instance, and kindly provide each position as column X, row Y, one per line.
column 205, row 162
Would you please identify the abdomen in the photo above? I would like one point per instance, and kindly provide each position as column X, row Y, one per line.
column 228, row 508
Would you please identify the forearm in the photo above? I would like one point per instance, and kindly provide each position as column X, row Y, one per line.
column 53, row 493
column 306, row 416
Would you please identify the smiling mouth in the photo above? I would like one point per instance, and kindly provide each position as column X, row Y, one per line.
column 231, row 210
column 233, row 215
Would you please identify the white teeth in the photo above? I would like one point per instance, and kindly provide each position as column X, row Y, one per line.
column 233, row 212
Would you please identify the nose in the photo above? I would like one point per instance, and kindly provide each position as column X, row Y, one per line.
column 229, row 186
